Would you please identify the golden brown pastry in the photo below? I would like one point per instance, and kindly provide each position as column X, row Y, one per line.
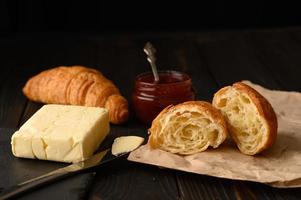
column 78, row 85
column 188, row 128
column 251, row 119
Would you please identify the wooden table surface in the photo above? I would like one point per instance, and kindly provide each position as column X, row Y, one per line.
column 271, row 58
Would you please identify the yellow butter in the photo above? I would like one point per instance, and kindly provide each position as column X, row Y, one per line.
column 126, row 144
column 61, row 133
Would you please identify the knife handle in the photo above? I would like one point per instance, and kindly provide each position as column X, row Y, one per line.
column 22, row 188
column 58, row 174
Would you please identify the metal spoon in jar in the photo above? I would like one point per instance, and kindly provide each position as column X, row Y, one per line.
column 150, row 51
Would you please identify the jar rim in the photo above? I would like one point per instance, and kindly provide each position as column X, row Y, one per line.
column 186, row 77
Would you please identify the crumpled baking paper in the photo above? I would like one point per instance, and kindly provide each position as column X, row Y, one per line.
column 279, row 166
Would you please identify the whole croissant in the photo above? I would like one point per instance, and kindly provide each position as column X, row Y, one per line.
column 78, row 85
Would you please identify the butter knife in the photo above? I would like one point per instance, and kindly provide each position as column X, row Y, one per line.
column 58, row 174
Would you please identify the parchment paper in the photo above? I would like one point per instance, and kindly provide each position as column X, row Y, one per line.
column 279, row 166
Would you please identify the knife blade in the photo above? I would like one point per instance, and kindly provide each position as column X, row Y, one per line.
column 58, row 174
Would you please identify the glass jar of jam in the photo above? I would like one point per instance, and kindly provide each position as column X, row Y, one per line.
column 150, row 97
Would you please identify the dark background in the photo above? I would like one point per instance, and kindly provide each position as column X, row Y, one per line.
column 271, row 58
column 130, row 16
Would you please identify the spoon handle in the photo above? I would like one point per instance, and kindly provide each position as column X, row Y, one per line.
column 150, row 51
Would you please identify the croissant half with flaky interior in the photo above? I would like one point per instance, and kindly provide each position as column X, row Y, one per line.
column 78, row 85
column 251, row 120
column 188, row 128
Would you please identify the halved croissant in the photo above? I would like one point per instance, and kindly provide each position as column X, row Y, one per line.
column 251, row 119
column 188, row 128
column 78, row 85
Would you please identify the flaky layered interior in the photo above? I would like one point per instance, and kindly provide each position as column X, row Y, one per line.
column 247, row 127
column 186, row 132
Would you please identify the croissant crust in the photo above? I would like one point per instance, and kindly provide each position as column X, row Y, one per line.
column 251, row 119
column 78, row 85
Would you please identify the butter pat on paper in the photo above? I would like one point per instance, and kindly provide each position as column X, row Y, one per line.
column 62, row 133
column 126, row 144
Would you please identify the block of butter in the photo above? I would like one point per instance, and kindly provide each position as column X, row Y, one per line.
column 61, row 133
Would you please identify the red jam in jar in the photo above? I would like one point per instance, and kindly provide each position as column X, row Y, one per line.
column 150, row 97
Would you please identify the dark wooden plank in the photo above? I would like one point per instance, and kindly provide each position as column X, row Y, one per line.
column 29, row 110
column 193, row 186
column 211, row 187
column 279, row 51
column 25, row 56
column 114, row 61
column 126, row 180
column 232, row 59
column 12, row 101
column 280, row 54
column 49, row 51
column 121, row 60
column 122, row 179
column 212, row 60
column 179, row 53
column 182, row 53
